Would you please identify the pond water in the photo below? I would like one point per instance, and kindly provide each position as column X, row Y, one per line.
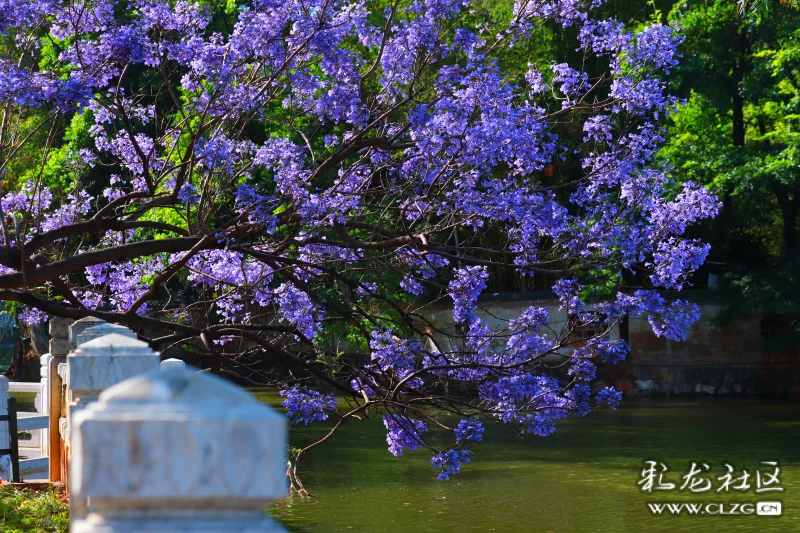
column 581, row 479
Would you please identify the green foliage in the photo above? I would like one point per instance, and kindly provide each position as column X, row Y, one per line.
column 32, row 512
column 740, row 71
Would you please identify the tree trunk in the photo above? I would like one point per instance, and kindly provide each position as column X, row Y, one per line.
column 789, row 203
column 740, row 50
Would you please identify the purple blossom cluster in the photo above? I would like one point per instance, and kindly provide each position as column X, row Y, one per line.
column 393, row 353
column 305, row 406
column 449, row 462
column 464, row 289
column 609, row 396
column 469, row 429
column 298, row 309
column 403, row 433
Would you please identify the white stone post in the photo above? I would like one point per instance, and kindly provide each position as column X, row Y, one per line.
column 5, row 441
column 95, row 366
column 59, row 329
column 172, row 363
column 43, row 399
column 177, row 451
column 80, row 326
column 103, row 362
column 101, row 330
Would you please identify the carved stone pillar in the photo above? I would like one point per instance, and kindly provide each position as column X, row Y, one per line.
column 101, row 330
column 80, row 326
column 94, row 367
column 59, row 336
column 103, row 362
column 177, row 451
column 59, row 329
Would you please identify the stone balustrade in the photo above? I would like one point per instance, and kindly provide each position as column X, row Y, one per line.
column 60, row 330
column 105, row 361
column 93, row 367
column 59, row 336
column 177, row 451
column 155, row 447
column 79, row 326
column 101, row 330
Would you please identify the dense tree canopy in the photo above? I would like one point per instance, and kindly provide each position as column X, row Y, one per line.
column 738, row 135
column 263, row 185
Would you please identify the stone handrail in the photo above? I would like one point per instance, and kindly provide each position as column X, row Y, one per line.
column 150, row 446
column 176, row 450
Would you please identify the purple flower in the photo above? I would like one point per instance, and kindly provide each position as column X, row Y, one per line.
column 673, row 322
column 449, row 462
column 412, row 286
column 469, row 429
column 305, row 406
column 674, row 259
column 403, row 434
column 571, row 81
column 393, row 353
column 568, row 291
column 298, row 309
column 464, row 290
column 188, row 194
column 609, row 396
column 582, row 369
column 325, row 172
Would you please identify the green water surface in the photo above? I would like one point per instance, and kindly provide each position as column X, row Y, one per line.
column 581, row 479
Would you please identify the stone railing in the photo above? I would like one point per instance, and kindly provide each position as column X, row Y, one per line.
column 45, row 440
column 95, row 367
column 176, row 450
column 152, row 446
column 106, row 354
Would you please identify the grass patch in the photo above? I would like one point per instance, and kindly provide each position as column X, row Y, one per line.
column 29, row 511
column 25, row 401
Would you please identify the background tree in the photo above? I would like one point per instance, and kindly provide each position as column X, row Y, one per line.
column 738, row 135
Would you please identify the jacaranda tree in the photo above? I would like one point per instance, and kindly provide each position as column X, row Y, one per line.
column 301, row 176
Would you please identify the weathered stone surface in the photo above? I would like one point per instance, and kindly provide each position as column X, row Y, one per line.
column 108, row 360
column 79, row 326
column 177, row 451
column 101, row 330
column 172, row 363
column 60, row 346
column 59, row 327
column 200, row 522
column 40, row 338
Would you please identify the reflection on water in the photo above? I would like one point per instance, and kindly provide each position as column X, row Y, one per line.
column 581, row 479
